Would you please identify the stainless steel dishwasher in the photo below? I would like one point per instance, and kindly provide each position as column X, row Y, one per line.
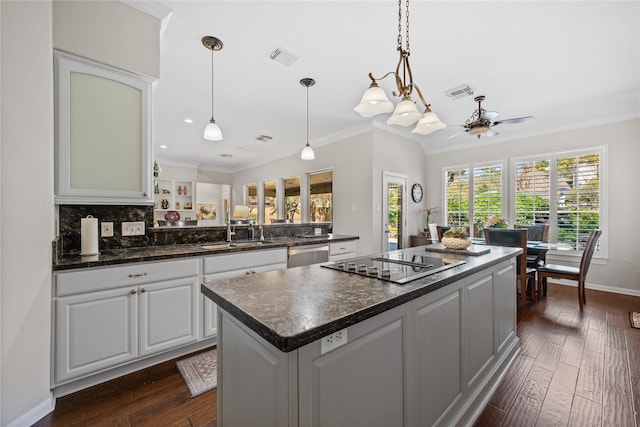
column 308, row 254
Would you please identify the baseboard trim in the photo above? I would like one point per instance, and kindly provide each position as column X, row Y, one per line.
column 36, row 413
column 598, row 287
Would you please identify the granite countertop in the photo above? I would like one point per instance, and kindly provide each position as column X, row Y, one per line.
column 291, row 308
column 156, row 253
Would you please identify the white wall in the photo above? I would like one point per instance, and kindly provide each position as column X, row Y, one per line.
column 26, row 210
column 109, row 32
column 351, row 160
column 622, row 268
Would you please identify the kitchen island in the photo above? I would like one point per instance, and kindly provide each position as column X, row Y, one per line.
column 312, row 346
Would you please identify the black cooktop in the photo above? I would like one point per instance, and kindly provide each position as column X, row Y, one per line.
column 396, row 267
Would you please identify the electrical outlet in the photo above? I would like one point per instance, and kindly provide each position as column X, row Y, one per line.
column 333, row 341
column 107, row 229
column 133, row 228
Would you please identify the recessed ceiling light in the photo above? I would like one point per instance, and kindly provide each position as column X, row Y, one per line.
column 226, row 155
column 188, row 121
column 163, row 146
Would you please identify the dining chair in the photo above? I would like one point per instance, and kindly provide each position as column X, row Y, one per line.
column 536, row 233
column 515, row 239
column 441, row 229
column 571, row 273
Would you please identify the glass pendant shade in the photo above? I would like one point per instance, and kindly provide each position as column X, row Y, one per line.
column 374, row 101
column 212, row 132
column 428, row 124
column 307, row 153
column 405, row 114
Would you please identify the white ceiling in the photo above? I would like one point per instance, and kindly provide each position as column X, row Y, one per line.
column 569, row 64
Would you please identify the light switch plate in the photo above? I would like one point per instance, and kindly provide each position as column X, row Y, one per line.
column 133, row 228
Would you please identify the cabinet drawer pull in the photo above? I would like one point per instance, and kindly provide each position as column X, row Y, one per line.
column 133, row 292
column 138, row 275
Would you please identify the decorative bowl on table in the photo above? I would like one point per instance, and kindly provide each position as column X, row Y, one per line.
column 456, row 243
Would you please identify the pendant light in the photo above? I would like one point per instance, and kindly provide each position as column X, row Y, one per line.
column 375, row 101
column 307, row 153
column 212, row 132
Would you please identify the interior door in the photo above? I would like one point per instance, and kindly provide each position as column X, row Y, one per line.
column 394, row 206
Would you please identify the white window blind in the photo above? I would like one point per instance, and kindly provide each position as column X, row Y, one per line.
column 578, row 198
column 487, row 193
column 532, row 192
column 457, row 196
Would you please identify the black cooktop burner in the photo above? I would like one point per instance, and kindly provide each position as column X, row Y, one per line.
column 396, row 267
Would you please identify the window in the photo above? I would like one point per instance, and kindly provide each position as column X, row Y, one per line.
column 578, row 198
column 321, row 196
column 532, row 192
column 252, row 201
column 457, row 197
column 292, row 198
column 270, row 201
column 487, row 193
column 563, row 190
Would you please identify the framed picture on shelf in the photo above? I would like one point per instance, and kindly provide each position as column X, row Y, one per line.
column 205, row 211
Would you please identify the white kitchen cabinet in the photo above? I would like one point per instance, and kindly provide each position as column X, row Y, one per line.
column 342, row 250
column 102, row 133
column 235, row 265
column 110, row 316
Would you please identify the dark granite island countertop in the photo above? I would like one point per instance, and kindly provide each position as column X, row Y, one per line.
column 291, row 308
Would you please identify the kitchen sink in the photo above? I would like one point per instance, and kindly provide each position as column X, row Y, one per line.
column 241, row 244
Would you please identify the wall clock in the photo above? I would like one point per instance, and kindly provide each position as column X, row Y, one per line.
column 416, row 193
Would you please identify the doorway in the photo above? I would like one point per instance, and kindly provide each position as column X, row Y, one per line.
column 394, row 207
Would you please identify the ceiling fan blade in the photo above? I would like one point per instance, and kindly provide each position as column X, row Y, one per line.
column 516, row 120
column 454, row 135
column 490, row 115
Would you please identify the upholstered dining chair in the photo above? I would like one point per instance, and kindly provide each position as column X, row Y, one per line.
column 571, row 273
column 515, row 239
column 444, row 228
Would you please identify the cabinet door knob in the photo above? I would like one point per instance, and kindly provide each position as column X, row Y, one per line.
column 138, row 275
column 247, row 272
column 144, row 194
column 133, row 292
column 143, row 290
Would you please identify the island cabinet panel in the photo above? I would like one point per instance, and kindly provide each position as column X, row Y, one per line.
column 506, row 305
column 373, row 361
column 255, row 378
column 480, row 328
column 439, row 354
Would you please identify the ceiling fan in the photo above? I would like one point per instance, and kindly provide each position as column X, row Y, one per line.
column 480, row 124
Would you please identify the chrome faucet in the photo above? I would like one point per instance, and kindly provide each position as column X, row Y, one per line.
column 251, row 232
column 230, row 233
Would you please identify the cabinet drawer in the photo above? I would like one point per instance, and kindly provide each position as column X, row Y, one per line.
column 241, row 260
column 93, row 279
column 342, row 247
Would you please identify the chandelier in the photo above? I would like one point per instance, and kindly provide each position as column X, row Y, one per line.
column 375, row 100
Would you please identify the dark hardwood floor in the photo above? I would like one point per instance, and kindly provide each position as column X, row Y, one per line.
column 574, row 369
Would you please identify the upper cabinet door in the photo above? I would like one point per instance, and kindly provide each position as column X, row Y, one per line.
column 103, row 133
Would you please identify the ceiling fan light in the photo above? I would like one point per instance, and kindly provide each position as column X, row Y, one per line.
column 307, row 153
column 405, row 114
column 374, row 101
column 212, row 132
column 479, row 130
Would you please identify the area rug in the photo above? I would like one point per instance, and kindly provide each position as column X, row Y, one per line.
column 634, row 317
column 200, row 372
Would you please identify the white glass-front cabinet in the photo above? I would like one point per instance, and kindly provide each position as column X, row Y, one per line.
column 103, row 133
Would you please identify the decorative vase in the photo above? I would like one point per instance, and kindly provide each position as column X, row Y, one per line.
column 456, row 243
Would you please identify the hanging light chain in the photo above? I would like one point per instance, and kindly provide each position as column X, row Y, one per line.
column 212, row 84
column 407, row 28
column 399, row 25
column 307, row 114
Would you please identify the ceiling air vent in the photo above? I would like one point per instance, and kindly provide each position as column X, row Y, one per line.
column 283, row 57
column 460, row 92
column 264, row 138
